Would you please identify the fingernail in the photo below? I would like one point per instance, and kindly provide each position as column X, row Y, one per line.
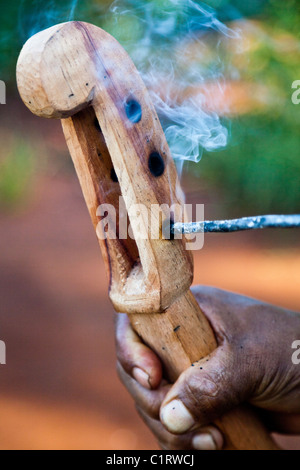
column 141, row 377
column 204, row 442
column 176, row 417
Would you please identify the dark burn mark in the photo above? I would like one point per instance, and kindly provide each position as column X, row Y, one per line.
column 133, row 110
column 113, row 176
column 177, row 329
column 156, row 164
column 71, row 95
column 167, row 231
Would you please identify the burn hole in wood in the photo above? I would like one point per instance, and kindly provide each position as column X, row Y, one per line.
column 167, row 229
column 113, row 176
column 156, row 164
column 133, row 110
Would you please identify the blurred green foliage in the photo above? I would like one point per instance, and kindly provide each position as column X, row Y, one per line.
column 17, row 170
column 260, row 169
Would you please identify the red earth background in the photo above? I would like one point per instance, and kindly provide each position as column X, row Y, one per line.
column 59, row 389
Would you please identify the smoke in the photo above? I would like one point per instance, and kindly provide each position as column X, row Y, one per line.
column 175, row 46
column 35, row 15
column 74, row 5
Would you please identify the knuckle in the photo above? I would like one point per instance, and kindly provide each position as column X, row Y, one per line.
column 210, row 386
column 200, row 395
column 203, row 385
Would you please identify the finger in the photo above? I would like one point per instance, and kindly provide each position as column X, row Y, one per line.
column 148, row 404
column 136, row 358
column 148, row 400
column 208, row 438
column 205, row 392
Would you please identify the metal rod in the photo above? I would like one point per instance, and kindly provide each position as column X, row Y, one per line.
column 236, row 225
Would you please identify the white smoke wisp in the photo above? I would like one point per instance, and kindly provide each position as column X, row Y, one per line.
column 175, row 46
column 35, row 15
column 171, row 45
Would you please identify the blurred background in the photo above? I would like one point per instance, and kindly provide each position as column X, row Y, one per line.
column 59, row 389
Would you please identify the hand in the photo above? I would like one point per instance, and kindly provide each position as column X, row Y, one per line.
column 253, row 362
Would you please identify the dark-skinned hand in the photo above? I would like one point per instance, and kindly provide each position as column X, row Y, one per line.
column 253, row 363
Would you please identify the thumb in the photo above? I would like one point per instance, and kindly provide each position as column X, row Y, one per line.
column 205, row 391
